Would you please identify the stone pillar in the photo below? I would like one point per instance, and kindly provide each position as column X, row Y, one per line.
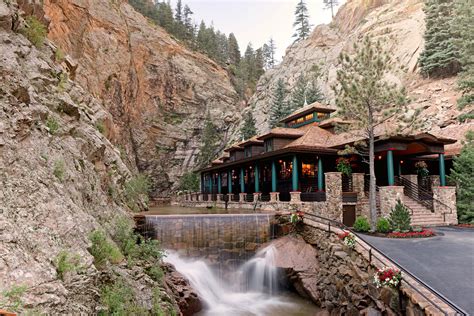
column 200, row 197
column 256, row 196
column 274, row 197
column 219, row 197
column 435, row 181
column 274, row 177
column 242, row 197
column 413, row 178
column 390, row 172
column 294, row 176
column 442, row 171
column 358, row 184
column 444, row 203
column 334, row 195
column 295, row 196
column 320, row 175
column 388, row 198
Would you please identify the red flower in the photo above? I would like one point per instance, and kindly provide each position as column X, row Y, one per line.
column 343, row 235
column 423, row 233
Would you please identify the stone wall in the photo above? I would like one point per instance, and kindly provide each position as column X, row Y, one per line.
column 344, row 277
column 334, row 195
column 388, row 198
column 444, row 203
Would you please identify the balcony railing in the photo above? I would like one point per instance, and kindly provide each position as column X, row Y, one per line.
column 319, row 196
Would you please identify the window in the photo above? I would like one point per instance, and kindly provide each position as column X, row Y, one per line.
column 322, row 116
column 309, row 117
column 268, row 144
column 248, row 151
column 232, row 156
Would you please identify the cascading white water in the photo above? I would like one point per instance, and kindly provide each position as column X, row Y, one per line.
column 252, row 291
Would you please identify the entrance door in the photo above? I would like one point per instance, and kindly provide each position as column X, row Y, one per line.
column 348, row 215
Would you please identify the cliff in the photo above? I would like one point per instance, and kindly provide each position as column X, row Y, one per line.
column 157, row 91
column 61, row 178
column 400, row 25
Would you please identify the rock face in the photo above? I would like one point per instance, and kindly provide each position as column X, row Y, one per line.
column 157, row 91
column 400, row 24
column 58, row 176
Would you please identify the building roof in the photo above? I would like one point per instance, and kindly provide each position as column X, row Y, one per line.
column 251, row 141
column 333, row 121
column 283, row 132
column 313, row 107
column 314, row 137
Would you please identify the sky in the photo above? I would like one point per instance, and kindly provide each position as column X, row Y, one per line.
column 256, row 21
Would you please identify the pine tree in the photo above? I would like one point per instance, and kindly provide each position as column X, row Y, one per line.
column 165, row 16
column 462, row 174
column 222, row 48
column 279, row 108
column 305, row 91
column 331, row 4
column 248, row 130
column 259, row 64
column 303, row 28
column 188, row 24
column 463, row 28
column 234, row 51
column 440, row 56
column 269, row 53
column 399, row 218
column 362, row 92
column 202, row 40
column 208, row 150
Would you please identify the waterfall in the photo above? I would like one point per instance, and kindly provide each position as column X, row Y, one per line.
column 260, row 273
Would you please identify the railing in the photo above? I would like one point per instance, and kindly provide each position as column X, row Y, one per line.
column 213, row 197
column 416, row 193
column 225, row 198
column 205, row 197
column 249, row 197
column 347, row 183
column 235, row 197
column 285, row 197
column 373, row 256
column 319, row 196
column 265, row 197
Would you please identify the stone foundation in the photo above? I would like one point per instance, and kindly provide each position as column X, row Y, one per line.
column 388, row 198
column 445, row 204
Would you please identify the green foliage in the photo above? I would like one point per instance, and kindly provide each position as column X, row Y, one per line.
column 280, row 108
column 361, row 224
column 344, row 166
column 268, row 50
column 209, row 147
column 156, row 273
column 62, row 80
column 58, row 55
column 35, row 32
column 440, row 57
column 66, row 262
column 303, row 28
column 306, row 90
column 119, row 299
column 248, row 130
column 11, row 299
column 331, row 4
column 59, row 169
column 103, row 250
column 100, row 125
column 136, row 188
column 383, row 225
column 462, row 174
column 189, row 182
column 463, row 20
column 399, row 218
column 52, row 125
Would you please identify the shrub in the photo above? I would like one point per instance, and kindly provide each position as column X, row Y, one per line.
column 189, row 182
column 65, row 262
column 103, row 250
column 361, row 224
column 62, row 80
column 100, row 126
column 383, row 225
column 35, row 32
column 418, row 234
column 135, row 188
column 400, row 218
column 156, row 273
column 125, row 237
column 59, row 169
column 12, row 298
column 119, row 299
column 59, row 55
column 52, row 125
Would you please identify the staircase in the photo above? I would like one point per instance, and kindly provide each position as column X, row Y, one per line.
column 422, row 216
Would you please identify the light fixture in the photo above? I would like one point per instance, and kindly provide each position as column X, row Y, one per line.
column 401, row 161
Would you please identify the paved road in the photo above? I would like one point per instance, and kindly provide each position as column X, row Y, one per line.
column 445, row 262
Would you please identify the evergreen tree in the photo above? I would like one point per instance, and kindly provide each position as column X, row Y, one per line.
column 222, row 48
column 179, row 30
column 463, row 27
column 463, row 173
column 165, row 16
column 279, row 108
column 202, row 39
column 259, row 64
column 269, row 53
column 331, row 4
column 248, row 130
column 399, row 218
column 362, row 92
column 209, row 147
column 305, row 91
column 303, row 28
column 440, row 56
column 234, row 51
column 188, row 23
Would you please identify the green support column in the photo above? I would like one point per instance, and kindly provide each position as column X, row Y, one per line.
column 274, row 177
column 390, row 173
column 210, row 182
column 294, row 180
column 257, row 180
column 320, row 175
column 219, row 183
column 229, row 181
column 242, row 183
column 442, row 171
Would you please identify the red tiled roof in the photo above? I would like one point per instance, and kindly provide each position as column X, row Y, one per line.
column 313, row 107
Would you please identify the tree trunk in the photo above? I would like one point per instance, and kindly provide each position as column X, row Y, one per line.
column 372, row 187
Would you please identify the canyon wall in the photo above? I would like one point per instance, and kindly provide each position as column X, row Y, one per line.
column 157, row 91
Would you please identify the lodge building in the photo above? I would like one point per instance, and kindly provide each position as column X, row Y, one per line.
column 297, row 163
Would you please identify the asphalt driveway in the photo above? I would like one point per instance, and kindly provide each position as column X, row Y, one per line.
column 445, row 262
